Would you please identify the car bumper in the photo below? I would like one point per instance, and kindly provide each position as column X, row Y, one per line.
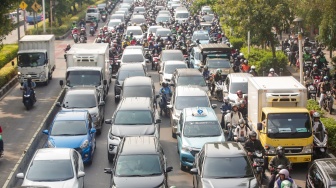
column 186, row 158
column 112, row 146
column 85, row 153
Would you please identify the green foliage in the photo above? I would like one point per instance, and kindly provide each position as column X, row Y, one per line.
column 7, row 53
column 314, row 105
column 6, row 74
column 237, row 43
column 330, row 125
column 6, row 24
column 197, row 5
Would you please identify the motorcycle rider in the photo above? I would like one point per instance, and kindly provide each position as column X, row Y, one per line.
column 317, row 122
column 315, row 72
column 272, row 73
column 294, row 48
column 68, row 47
column 215, row 78
column 232, row 119
column 283, row 176
column 245, row 67
column 324, row 88
column 1, row 143
column 74, row 24
column 240, row 97
column 226, row 106
column 145, row 43
column 82, row 23
column 241, row 131
column 29, row 84
column 252, row 145
column 243, row 108
column 206, row 73
column 83, row 33
column 253, row 71
column 279, row 159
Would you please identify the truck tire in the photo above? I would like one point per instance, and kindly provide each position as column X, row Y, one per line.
column 50, row 76
column 46, row 82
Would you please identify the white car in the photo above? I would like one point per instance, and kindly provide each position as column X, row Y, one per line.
column 136, row 30
column 55, row 168
column 113, row 23
column 153, row 29
column 168, row 68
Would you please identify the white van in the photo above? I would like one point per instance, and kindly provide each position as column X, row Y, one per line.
column 181, row 14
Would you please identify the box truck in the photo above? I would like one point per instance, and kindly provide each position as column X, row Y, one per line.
column 277, row 112
column 36, row 57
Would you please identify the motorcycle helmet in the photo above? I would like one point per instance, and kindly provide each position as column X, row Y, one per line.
column 75, row 28
column 219, row 71
column 68, row 45
column 239, row 92
column 325, row 79
column 29, row 77
column 241, row 121
column 164, row 84
column 197, row 41
column 284, row 172
column 315, row 65
column 316, row 115
column 245, row 61
column 253, row 67
column 131, row 34
column 286, row 184
column 271, row 70
column 280, row 151
column 253, row 135
column 280, row 167
column 205, row 68
column 226, row 99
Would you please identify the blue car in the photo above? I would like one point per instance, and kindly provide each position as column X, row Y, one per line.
column 197, row 126
column 73, row 129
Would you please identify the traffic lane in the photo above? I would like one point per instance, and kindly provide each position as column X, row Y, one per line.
column 19, row 125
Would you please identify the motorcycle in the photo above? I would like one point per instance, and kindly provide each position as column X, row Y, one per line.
column 231, row 128
column 320, row 143
column 219, row 87
column 223, row 121
column 92, row 30
column 165, row 100
column 327, row 102
column 308, row 65
column 242, row 138
column 258, row 165
column 114, row 64
column 82, row 39
column 312, row 91
column 275, row 173
column 155, row 61
column 28, row 98
column 75, row 37
column 103, row 17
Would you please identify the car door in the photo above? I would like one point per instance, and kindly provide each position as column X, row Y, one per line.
column 80, row 181
column 92, row 137
column 200, row 161
column 179, row 129
column 101, row 109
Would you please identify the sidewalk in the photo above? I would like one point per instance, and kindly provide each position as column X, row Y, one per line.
column 12, row 37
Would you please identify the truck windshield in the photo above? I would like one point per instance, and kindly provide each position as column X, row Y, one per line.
column 78, row 78
column 31, row 59
column 289, row 125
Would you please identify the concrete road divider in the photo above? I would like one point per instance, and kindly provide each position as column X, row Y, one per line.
column 35, row 143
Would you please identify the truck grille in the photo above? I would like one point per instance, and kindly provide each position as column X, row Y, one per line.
column 290, row 150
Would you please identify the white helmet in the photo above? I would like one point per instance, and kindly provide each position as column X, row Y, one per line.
column 271, row 70
column 29, row 76
column 252, row 67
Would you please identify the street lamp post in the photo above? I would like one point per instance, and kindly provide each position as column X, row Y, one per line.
column 299, row 20
column 44, row 18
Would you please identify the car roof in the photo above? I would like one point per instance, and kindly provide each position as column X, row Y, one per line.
column 192, row 114
column 133, row 51
column 189, row 91
column 134, row 27
column 171, row 51
column 174, row 63
column 81, row 90
column 188, row 72
column 139, row 145
column 71, row 115
column 239, row 77
column 223, row 149
column 328, row 167
column 138, row 16
column 132, row 66
column 162, row 29
column 135, row 103
column 138, row 81
column 53, row 154
column 155, row 26
column 115, row 20
column 201, row 32
column 140, row 7
column 85, row 68
column 134, row 47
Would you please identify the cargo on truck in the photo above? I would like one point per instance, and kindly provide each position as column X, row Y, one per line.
column 277, row 112
column 36, row 57
column 88, row 65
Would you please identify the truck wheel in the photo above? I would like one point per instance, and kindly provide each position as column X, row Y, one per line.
column 50, row 76
column 46, row 82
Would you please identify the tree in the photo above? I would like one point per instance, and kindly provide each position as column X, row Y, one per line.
column 6, row 24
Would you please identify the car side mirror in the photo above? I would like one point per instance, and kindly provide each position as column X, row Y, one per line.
column 80, row 174
column 58, row 104
column 101, row 103
column 259, row 126
column 194, row 171
column 45, row 132
column 158, row 121
column 20, row 175
column 213, row 106
column 61, row 83
column 107, row 170
column 178, row 133
column 108, row 121
column 93, row 130
column 105, row 82
column 169, row 169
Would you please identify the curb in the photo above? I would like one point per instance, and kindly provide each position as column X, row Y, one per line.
column 63, row 36
column 9, row 86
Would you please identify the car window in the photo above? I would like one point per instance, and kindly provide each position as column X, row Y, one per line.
column 201, row 129
column 214, row 167
column 132, row 58
column 50, row 170
column 126, row 74
column 91, row 11
column 163, row 33
column 75, row 158
column 170, row 68
column 181, row 121
column 80, row 101
column 138, row 20
column 133, row 117
column 218, row 63
column 318, row 179
column 137, row 91
column 191, row 80
column 200, row 161
column 90, row 121
column 68, row 128
column 176, row 56
column 238, row 86
column 200, row 36
column 182, row 15
column 191, row 101
column 75, row 78
column 138, row 165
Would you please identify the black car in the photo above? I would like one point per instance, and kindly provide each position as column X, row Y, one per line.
column 134, row 116
column 223, row 163
column 322, row 173
column 126, row 71
column 86, row 99
column 140, row 162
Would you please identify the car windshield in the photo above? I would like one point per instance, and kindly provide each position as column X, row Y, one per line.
column 162, row 19
column 153, row 29
column 182, row 15
column 289, row 125
column 163, row 33
column 140, row 9
column 191, row 101
column 50, row 170
column 92, row 11
column 122, row 75
column 238, row 86
column 120, row 17
column 137, row 91
column 201, row 36
column 114, row 23
column 208, row 18
column 83, row 78
column 216, row 167
column 191, row 80
column 201, row 129
column 31, row 59
column 80, row 101
column 169, row 69
column 133, row 117
column 218, row 63
column 134, row 31
column 68, row 128
column 138, row 20
column 132, row 58
column 138, row 165
column 169, row 56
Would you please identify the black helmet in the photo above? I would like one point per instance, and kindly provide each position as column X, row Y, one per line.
column 164, row 84
column 252, row 134
column 280, row 167
column 280, row 151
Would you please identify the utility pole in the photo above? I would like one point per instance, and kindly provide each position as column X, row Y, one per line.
column 18, row 22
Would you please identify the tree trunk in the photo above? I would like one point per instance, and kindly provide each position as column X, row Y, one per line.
column 272, row 43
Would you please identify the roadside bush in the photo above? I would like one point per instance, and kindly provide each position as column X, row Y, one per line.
column 6, row 74
column 7, row 53
column 314, row 105
column 237, row 43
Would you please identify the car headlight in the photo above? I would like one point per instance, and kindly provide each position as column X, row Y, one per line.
column 307, row 149
column 42, row 75
column 50, row 144
column 186, row 148
column 84, row 144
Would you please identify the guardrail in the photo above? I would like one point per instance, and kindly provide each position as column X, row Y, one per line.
column 35, row 143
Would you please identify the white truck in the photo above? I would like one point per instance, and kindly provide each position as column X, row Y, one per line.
column 92, row 12
column 36, row 57
column 88, row 65
column 277, row 112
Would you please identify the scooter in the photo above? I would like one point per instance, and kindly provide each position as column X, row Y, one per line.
column 320, row 143
column 312, row 90
column 258, row 165
column 75, row 37
column 92, row 30
column 27, row 98
column 219, row 87
column 82, row 39
column 155, row 61
column 165, row 100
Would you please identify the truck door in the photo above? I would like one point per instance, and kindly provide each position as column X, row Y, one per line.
column 263, row 132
